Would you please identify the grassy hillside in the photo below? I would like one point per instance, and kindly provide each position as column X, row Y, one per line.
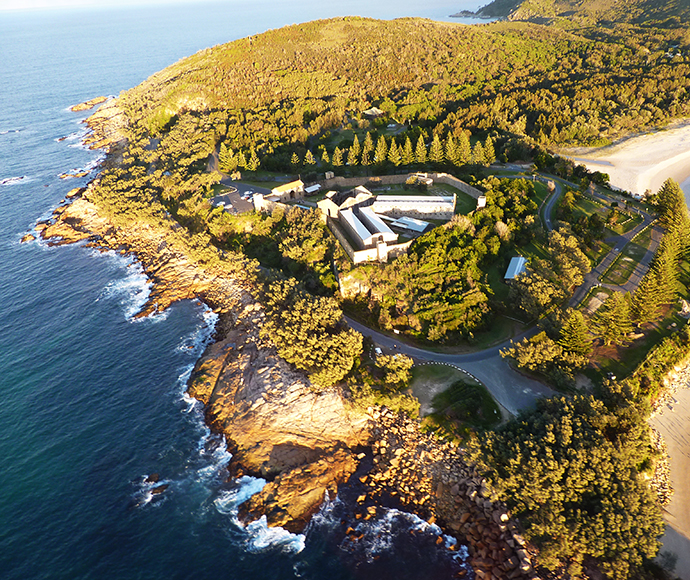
column 291, row 86
column 669, row 13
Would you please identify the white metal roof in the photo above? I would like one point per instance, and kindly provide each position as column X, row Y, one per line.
column 374, row 222
column 410, row 223
column 355, row 224
column 312, row 188
column 517, row 266
column 415, row 199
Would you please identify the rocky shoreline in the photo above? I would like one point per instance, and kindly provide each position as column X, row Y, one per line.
column 305, row 444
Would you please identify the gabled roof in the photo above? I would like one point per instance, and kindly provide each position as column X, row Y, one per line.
column 299, row 184
column 517, row 266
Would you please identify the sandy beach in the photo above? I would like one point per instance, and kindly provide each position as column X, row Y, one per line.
column 642, row 162
column 674, row 425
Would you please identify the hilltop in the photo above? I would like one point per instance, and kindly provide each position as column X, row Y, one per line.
column 644, row 12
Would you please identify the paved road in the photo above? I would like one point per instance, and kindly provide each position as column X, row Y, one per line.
column 511, row 389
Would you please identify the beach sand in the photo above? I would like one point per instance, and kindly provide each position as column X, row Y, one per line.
column 643, row 162
column 674, row 425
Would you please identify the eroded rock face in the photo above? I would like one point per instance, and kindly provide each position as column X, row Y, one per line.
column 275, row 425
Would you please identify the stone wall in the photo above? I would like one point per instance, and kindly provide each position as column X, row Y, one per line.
column 350, row 182
column 457, row 183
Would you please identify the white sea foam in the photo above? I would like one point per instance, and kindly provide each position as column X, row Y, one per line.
column 144, row 495
column 132, row 291
column 262, row 537
column 14, row 180
column 196, row 342
column 228, row 501
column 258, row 535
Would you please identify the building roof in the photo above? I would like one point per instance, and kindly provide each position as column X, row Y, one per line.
column 373, row 112
column 410, row 223
column 299, row 184
column 312, row 188
column 374, row 222
column 517, row 266
column 353, row 221
column 416, row 199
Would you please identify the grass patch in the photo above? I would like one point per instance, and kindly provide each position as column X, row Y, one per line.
column 598, row 252
column 220, row 189
column 644, row 238
column 628, row 223
column 541, row 192
column 462, row 408
column 502, row 328
column 586, row 206
column 621, row 269
column 622, row 361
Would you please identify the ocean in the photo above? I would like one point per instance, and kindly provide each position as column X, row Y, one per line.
column 93, row 399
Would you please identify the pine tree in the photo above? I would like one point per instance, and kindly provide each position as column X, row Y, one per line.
column 645, row 305
column 353, row 152
column 394, row 154
column 575, row 334
column 478, row 154
column 673, row 213
column 241, row 160
column 368, row 144
column 464, row 150
column 337, row 157
column 223, row 157
column 253, row 163
column 309, row 158
column 381, row 151
column 612, row 321
column 451, row 150
column 436, row 151
column 489, row 151
column 351, row 157
column 227, row 160
column 295, row 161
column 325, row 159
column 366, row 158
column 420, row 151
column 407, row 153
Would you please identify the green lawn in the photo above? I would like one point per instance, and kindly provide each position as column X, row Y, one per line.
column 644, row 238
column 624, row 361
column 598, row 252
column 627, row 222
column 219, row 189
column 461, row 407
column 625, row 264
column 620, row 270
column 586, row 206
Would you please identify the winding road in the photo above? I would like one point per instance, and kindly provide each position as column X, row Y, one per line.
column 511, row 389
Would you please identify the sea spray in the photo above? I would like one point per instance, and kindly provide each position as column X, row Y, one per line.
column 259, row 536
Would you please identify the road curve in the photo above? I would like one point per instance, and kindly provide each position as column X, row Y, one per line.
column 511, row 389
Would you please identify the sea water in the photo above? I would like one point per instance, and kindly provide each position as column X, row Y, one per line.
column 93, row 402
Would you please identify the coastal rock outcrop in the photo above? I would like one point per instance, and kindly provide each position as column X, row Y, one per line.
column 88, row 105
column 433, row 479
column 275, row 424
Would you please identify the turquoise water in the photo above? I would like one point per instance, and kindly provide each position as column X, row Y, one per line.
column 92, row 401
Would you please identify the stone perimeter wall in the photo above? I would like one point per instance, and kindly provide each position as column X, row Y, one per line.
column 446, row 178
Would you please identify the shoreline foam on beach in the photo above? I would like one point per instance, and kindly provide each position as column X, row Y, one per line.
column 674, row 425
column 642, row 162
